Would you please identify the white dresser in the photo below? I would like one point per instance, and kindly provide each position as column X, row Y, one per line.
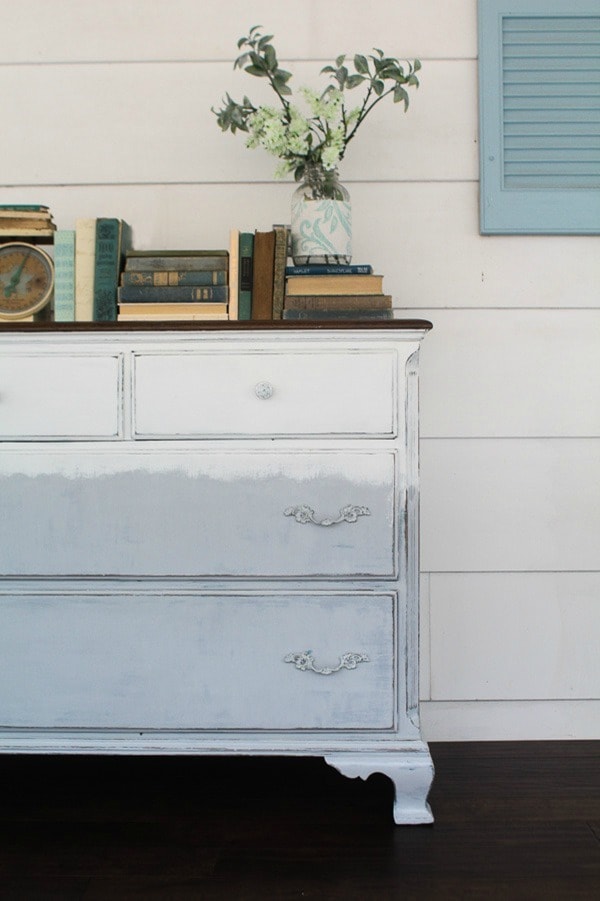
column 209, row 544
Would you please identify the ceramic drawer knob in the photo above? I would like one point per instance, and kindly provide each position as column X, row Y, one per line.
column 264, row 390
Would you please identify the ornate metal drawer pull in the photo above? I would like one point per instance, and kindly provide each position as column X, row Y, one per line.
column 304, row 514
column 306, row 661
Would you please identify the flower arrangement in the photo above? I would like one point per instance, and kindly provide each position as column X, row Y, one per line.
column 317, row 133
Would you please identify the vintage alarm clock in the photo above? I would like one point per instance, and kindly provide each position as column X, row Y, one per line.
column 26, row 279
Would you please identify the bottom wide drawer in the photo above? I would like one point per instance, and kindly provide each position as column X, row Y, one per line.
column 219, row 662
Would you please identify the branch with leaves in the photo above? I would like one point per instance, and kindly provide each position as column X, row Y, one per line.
column 320, row 136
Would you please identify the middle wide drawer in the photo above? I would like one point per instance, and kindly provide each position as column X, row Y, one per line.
column 196, row 513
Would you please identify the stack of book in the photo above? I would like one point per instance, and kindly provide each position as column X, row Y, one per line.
column 87, row 263
column 26, row 221
column 335, row 292
column 173, row 285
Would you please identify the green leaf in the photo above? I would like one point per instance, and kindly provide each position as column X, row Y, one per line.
column 270, row 57
column 354, row 81
column 378, row 87
column 361, row 65
column 400, row 94
column 283, row 75
column 327, row 69
column 339, row 60
column 413, row 80
column 417, row 65
column 281, row 86
column 264, row 41
column 241, row 61
column 255, row 70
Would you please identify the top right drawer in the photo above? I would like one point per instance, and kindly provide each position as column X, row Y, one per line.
column 261, row 393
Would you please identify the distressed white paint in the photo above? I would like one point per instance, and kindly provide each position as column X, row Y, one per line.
column 49, row 395
column 156, row 587
column 189, row 395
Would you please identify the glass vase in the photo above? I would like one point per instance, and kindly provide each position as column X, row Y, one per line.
column 321, row 229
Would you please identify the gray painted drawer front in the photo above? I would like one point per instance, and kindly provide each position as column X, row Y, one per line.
column 51, row 396
column 186, row 662
column 195, row 513
column 280, row 393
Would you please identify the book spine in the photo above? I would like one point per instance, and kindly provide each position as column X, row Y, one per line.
column 171, row 317
column 324, row 269
column 245, row 275
column 106, row 269
column 181, row 263
column 64, row 275
column 279, row 261
column 131, row 294
column 163, row 308
column 331, row 284
column 338, row 301
column 337, row 314
column 262, row 276
column 173, row 279
column 234, row 274
column 85, row 250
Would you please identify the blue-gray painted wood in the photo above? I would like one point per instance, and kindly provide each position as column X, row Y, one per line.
column 539, row 101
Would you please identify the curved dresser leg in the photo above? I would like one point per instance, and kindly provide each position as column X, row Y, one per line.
column 410, row 771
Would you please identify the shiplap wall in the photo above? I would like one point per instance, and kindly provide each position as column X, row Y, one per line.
column 106, row 112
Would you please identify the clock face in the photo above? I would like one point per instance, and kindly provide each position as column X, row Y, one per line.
column 26, row 279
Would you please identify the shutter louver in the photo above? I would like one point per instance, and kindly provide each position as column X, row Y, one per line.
column 551, row 102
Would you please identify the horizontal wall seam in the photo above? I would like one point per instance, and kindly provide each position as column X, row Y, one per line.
column 203, row 62
column 509, row 437
column 504, row 572
column 250, row 184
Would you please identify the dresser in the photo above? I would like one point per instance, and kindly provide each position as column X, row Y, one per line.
column 209, row 543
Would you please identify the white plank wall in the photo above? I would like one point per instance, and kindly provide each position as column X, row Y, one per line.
column 110, row 112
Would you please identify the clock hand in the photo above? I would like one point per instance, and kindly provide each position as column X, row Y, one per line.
column 16, row 277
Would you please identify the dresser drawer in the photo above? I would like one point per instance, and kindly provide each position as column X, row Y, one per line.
column 53, row 396
column 186, row 662
column 182, row 512
column 264, row 393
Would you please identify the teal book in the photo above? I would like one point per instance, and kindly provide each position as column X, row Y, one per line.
column 113, row 237
column 331, row 269
column 245, row 275
column 172, row 278
column 159, row 260
column 64, row 275
column 180, row 294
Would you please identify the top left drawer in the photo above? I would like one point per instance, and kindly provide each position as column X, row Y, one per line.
column 58, row 396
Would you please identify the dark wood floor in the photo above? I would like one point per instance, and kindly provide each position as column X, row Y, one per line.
column 513, row 821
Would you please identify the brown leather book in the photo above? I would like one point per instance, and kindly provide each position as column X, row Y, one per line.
column 262, row 277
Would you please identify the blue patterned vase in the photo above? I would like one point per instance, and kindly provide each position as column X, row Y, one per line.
column 321, row 219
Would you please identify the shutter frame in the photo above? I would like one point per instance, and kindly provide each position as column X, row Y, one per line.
column 551, row 209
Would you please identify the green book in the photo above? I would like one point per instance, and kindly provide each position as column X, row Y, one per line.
column 245, row 275
column 64, row 275
column 113, row 236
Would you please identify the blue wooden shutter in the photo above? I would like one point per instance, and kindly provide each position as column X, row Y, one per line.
column 539, row 103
